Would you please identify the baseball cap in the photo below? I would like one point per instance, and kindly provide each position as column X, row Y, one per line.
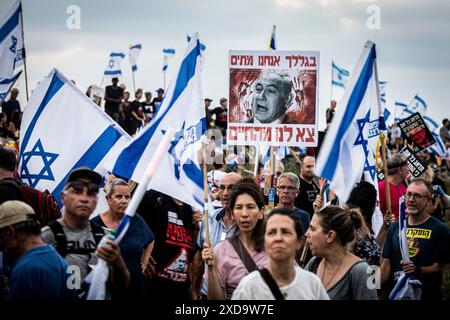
column 84, row 172
column 13, row 212
column 208, row 99
column 160, row 90
column 223, row 100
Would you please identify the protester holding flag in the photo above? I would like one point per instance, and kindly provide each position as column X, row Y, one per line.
column 137, row 244
column 398, row 172
column 428, row 244
column 234, row 258
column 79, row 198
column 343, row 274
column 221, row 226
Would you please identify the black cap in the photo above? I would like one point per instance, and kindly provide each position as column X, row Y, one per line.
column 84, row 172
column 115, row 79
column 160, row 90
column 208, row 99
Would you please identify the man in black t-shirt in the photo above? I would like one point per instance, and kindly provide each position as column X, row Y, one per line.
column 157, row 100
column 428, row 244
column 11, row 104
column 308, row 188
column 113, row 98
column 221, row 115
column 172, row 223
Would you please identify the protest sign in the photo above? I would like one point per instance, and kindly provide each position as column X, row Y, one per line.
column 415, row 131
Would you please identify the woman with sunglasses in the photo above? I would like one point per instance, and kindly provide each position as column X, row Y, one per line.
column 343, row 274
column 231, row 259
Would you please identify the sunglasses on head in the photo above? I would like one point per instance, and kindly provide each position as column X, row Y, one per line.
column 78, row 186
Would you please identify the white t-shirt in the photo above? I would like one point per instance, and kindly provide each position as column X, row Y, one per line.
column 306, row 286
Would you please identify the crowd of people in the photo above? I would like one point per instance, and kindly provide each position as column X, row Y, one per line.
column 309, row 244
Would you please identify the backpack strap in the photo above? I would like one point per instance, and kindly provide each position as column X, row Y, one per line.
column 97, row 232
column 61, row 240
column 265, row 274
column 243, row 254
column 60, row 237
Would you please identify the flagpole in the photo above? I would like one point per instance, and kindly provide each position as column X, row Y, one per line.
column 25, row 53
column 255, row 168
column 268, row 178
column 164, row 80
column 206, row 202
column 295, row 155
column 331, row 85
column 134, row 85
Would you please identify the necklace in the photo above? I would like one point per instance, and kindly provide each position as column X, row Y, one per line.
column 334, row 273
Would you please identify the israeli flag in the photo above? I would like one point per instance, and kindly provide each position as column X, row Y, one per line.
column 113, row 67
column 418, row 105
column 382, row 85
column 12, row 50
column 348, row 148
column 202, row 46
column 407, row 287
column 273, row 39
column 405, row 111
column 167, row 54
column 61, row 130
column 439, row 147
column 133, row 54
column 6, row 85
column 339, row 76
column 179, row 174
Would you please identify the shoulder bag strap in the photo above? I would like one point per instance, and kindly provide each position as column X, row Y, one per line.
column 265, row 274
column 243, row 254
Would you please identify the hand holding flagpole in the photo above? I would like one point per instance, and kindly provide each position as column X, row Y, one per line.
column 99, row 274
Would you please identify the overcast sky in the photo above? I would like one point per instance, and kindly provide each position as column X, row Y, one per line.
column 413, row 44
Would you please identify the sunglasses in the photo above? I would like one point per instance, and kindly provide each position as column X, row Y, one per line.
column 229, row 188
column 78, row 186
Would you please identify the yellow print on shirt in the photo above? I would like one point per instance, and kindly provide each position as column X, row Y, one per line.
column 418, row 233
column 414, row 234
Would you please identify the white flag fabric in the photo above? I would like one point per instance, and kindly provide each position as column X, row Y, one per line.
column 273, row 39
column 62, row 129
column 113, row 68
column 348, row 148
column 407, row 286
column 439, row 147
column 339, row 76
column 167, row 54
column 418, row 105
column 179, row 174
column 6, row 85
column 12, row 50
column 134, row 53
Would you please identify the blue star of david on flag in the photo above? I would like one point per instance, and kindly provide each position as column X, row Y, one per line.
column 111, row 63
column 360, row 140
column 176, row 139
column 47, row 158
column 14, row 44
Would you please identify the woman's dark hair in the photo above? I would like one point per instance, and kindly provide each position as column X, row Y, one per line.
column 364, row 197
column 253, row 190
column 342, row 220
column 289, row 213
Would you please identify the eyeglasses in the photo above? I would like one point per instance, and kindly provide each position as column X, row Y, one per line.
column 229, row 187
column 78, row 186
column 416, row 196
column 289, row 188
